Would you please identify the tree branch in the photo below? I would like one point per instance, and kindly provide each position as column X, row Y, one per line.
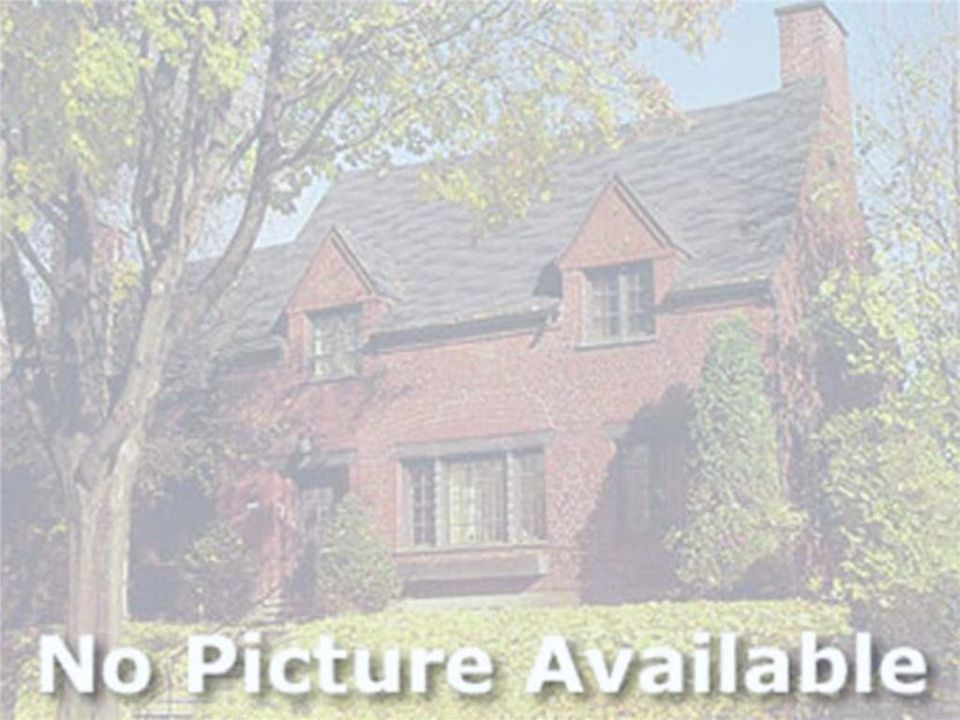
column 42, row 271
column 27, row 366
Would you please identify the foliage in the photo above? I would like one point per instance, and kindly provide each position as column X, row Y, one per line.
column 893, row 507
column 355, row 571
column 892, row 456
column 510, row 85
column 129, row 130
column 897, row 318
column 738, row 512
column 220, row 575
column 512, row 637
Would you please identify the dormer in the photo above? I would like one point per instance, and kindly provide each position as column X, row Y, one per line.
column 616, row 270
column 332, row 310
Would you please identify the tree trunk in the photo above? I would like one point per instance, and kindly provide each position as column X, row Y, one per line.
column 99, row 533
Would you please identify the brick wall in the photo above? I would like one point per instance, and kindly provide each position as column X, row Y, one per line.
column 500, row 385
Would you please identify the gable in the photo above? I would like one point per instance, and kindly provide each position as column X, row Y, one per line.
column 725, row 186
column 334, row 277
column 617, row 230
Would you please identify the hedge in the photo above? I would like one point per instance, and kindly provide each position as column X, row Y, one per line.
column 512, row 637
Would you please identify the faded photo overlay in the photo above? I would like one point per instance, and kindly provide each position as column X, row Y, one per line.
column 480, row 360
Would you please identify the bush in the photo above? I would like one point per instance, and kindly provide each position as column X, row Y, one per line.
column 892, row 511
column 218, row 576
column 512, row 637
column 355, row 570
column 739, row 518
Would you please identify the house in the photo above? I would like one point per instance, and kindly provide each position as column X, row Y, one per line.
column 511, row 408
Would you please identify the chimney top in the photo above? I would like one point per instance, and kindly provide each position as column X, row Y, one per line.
column 813, row 45
column 807, row 6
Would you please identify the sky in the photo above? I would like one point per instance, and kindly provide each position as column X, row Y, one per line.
column 743, row 62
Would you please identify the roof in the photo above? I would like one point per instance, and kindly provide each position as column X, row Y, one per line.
column 725, row 186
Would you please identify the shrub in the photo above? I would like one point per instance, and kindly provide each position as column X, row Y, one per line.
column 512, row 637
column 738, row 514
column 892, row 511
column 355, row 570
column 219, row 575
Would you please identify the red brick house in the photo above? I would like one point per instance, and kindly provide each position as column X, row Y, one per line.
column 511, row 407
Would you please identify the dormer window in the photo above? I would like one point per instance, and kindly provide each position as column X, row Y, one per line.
column 335, row 343
column 620, row 303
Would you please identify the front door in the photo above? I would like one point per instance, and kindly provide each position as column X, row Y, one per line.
column 319, row 491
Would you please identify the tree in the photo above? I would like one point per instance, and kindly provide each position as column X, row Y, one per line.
column 127, row 127
column 892, row 510
column 355, row 571
column 895, row 320
column 891, row 456
column 738, row 511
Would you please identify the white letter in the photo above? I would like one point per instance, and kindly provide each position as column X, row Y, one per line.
column 279, row 662
column 327, row 655
column 198, row 668
column 701, row 662
column 363, row 673
column 671, row 669
column 864, row 656
column 79, row 673
column 892, row 670
column 610, row 680
column 554, row 649
column 473, row 662
column 141, row 671
column 728, row 662
column 810, row 659
column 420, row 661
column 772, row 676
column 251, row 662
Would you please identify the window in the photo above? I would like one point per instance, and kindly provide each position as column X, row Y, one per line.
column 421, row 490
column 621, row 302
column 528, row 478
column 479, row 499
column 635, row 490
column 651, row 489
column 477, row 496
column 320, row 491
column 334, row 343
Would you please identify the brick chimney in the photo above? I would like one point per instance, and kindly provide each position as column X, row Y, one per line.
column 813, row 44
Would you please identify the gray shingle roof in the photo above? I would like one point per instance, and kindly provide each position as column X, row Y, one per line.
column 725, row 187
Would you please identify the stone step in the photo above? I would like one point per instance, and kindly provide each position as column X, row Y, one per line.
column 180, row 705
